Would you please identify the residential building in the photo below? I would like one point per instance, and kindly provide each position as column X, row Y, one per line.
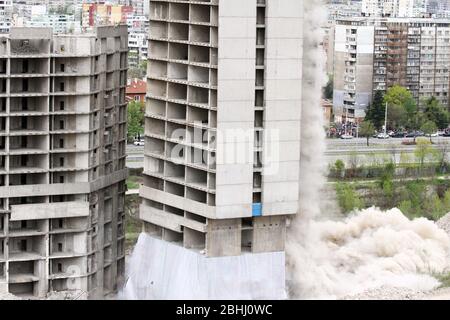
column 138, row 46
column 373, row 54
column 136, row 90
column 5, row 15
column 94, row 14
column 388, row 8
column 62, row 160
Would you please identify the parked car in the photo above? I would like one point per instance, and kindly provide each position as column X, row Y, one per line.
column 346, row 137
column 383, row 136
column 433, row 135
column 399, row 134
column 139, row 142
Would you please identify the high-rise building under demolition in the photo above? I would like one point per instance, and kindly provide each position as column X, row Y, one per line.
column 62, row 160
column 222, row 139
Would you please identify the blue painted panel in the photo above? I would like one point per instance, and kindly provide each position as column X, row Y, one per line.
column 257, row 210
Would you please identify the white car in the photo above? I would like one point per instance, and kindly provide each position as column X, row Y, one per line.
column 346, row 137
column 139, row 143
column 383, row 136
column 433, row 135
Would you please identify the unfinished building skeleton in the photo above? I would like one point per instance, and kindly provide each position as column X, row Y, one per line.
column 224, row 77
column 62, row 160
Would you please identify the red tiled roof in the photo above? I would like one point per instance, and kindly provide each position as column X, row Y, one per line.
column 137, row 87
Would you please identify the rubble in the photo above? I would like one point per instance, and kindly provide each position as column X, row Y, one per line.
column 8, row 296
column 67, row 295
column 388, row 293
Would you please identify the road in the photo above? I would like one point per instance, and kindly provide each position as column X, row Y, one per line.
column 346, row 150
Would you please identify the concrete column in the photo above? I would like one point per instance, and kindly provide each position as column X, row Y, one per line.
column 223, row 237
column 269, row 234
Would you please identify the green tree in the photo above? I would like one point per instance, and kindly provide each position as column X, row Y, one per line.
column 339, row 169
column 367, row 129
column 136, row 119
column 376, row 110
column 401, row 106
column 429, row 128
column 328, row 89
column 397, row 116
column 435, row 112
column 433, row 207
column 398, row 95
column 424, row 150
column 348, row 198
column 386, row 183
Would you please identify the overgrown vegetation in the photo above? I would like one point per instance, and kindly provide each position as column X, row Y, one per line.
column 133, row 225
column 444, row 279
column 418, row 189
column 133, row 182
column 348, row 198
column 136, row 119
column 404, row 113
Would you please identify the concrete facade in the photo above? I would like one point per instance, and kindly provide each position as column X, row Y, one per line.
column 221, row 171
column 374, row 54
column 62, row 158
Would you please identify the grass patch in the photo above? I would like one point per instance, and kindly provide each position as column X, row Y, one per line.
column 133, row 225
column 133, row 182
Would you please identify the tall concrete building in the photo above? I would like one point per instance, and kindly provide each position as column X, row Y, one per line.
column 6, row 10
column 389, row 8
column 374, row 54
column 353, row 65
column 223, row 126
column 62, row 160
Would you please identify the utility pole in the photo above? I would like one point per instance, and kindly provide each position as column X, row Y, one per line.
column 385, row 120
column 346, row 120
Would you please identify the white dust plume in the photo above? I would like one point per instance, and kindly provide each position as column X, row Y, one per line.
column 370, row 249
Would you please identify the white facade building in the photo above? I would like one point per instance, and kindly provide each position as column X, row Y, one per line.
column 390, row 8
column 5, row 15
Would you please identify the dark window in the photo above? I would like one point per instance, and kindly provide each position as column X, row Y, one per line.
column 23, row 224
column 61, row 179
column 24, row 142
column 24, row 160
column 25, row 85
column 61, row 124
column 25, row 66
column 63, row 67
column 61, row 143
column 23, row 179
column 24, row 104
column 61, row 105
column 61, row 162
column 60, row 247
column 24, row 123
column 61, row 224
column 23, row 245
column 59, row 267
column 61, row 86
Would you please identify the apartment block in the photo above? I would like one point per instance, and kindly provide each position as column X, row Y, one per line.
column 414, row 53
column 353, row 68
column 223, row 124
column 6, row 10
column 62, row 160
